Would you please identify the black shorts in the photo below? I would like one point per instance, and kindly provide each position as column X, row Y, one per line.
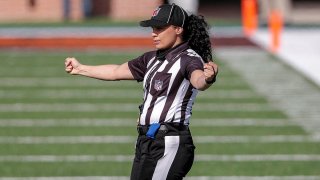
column 167, row 157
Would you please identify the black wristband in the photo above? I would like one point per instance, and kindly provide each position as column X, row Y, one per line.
column 212, row 81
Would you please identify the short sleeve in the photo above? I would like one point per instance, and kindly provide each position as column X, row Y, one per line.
column 138, row 66
column 190, row 63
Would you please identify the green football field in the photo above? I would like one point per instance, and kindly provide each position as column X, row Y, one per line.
column 56, row 125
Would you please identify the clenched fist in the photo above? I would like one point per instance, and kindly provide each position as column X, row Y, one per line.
column 72, row 65
column 210, row 72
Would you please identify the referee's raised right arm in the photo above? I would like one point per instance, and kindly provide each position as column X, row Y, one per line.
column 109, row 72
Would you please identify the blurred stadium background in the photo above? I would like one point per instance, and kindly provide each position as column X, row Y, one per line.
column 261, row 120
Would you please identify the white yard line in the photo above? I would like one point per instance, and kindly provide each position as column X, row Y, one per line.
column 125, row 107
column 258, row 157
column 252, row 178
column 257, row 139
column 116, row 122
column 67, row 139
column 79, row 82
column 112, row 93
column 186, row 178
column 20, row 71
column 59, row 82
column 68, row 178
column 132, row 139
column 67, row 158
column 75, row 107
column 129, row 158
column 70, row 94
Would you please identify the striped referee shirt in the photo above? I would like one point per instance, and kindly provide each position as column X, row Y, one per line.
column 168, row 93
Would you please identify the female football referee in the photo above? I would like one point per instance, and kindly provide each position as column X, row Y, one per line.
column 171, row 75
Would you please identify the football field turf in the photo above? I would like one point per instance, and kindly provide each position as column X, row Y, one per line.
column 56, row 125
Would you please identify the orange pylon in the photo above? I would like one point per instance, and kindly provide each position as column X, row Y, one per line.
column 275, row 28
column 249, row 16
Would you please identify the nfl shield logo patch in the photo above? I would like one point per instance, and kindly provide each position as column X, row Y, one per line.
column 158, row 85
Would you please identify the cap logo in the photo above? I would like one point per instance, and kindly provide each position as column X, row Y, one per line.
column 155, row 12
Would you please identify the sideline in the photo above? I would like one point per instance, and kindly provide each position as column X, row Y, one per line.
column 129, row 158
column 285, row 89
column 132, row 139
column 299, row 48
column 120, row 122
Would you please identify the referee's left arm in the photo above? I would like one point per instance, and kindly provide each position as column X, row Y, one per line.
column 202, row 80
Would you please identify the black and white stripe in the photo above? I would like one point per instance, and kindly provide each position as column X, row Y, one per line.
column 172, row 98
column 163, row 165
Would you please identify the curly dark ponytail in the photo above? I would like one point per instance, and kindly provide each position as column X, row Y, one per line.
column 197, row 36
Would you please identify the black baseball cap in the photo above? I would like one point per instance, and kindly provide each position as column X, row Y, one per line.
column 167, row 14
